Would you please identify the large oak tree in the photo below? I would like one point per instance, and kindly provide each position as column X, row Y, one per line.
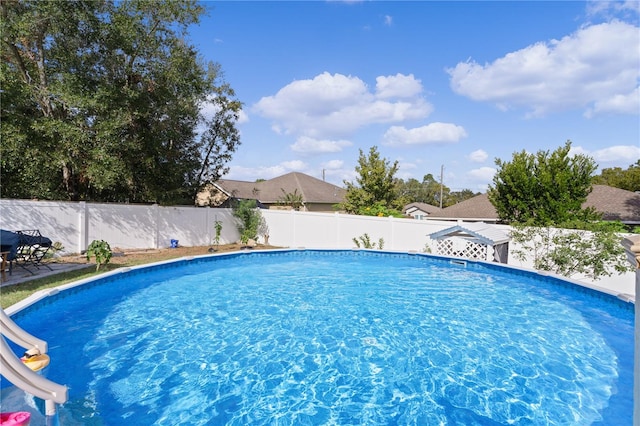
column 103, row 101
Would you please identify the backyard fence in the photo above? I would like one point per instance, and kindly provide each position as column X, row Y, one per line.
column 130, row 226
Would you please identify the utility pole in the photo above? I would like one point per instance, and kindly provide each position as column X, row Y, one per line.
column 441, row 179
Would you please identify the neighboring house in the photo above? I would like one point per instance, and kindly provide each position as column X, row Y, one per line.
column 476, row 209
column 613, row 203
column 317, row 195
column 420, row 211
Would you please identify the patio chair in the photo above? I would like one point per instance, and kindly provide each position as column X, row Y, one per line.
column 9, row 242
column 32, row 249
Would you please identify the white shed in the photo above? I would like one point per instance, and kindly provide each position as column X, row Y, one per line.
column 472, row 240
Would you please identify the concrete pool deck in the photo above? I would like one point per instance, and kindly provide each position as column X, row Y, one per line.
column 20, row 275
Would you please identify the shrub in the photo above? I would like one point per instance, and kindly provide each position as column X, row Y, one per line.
column 101, row 250
column 364, row 241
column 249, row 220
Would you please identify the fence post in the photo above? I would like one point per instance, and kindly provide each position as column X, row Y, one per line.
column 392, row 233
column 156, row 225
column 83, row 226
column 208, row 225
column 337, row 216
column 631, row 245
column 293, row 226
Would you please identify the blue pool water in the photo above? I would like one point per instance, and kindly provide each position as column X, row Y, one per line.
column 337, row 338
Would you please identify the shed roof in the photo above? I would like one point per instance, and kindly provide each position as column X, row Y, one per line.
column 485, row 232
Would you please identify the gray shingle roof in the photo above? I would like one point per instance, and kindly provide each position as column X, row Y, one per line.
column 427, row 208
column 271, row 191
column 478, row 207
column 613, row 203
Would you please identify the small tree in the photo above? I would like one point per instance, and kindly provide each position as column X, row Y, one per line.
column 292, row 199
column 218, row 227
column 375, row 183
column 101, row 250
column 364, row 241
column 593, row 251
column 249, row 220
column 542, row 189
column 380, row 210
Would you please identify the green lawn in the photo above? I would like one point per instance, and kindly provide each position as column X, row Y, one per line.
column 12, row 294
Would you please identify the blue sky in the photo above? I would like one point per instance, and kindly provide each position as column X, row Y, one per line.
column 431, row 84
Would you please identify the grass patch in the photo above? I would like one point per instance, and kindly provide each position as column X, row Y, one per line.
column 13, row 294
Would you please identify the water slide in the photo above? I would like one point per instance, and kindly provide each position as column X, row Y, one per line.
column 14, row 370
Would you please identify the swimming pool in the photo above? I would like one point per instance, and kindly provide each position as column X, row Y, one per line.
column 336, row 337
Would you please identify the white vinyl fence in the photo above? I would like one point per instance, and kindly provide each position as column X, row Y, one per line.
column 129, row 226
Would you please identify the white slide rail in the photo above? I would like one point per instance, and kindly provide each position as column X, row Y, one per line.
column 14, row 370
column 17, row 335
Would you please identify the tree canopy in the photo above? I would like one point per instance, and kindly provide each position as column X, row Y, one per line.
column 429, row 191
column 618, row 178
column 103, row 101
column 544, row 188
column 374, row 187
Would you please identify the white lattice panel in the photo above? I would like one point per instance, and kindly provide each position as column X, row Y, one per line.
column 458, row 247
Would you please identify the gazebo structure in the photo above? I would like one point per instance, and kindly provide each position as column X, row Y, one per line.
column 472, row 240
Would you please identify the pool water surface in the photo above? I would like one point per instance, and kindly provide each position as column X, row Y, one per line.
column 306, row 337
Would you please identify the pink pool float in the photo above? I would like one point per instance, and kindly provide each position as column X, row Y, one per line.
column 18, row 418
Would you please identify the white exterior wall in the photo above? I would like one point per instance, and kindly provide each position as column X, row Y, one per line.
column 129, row 226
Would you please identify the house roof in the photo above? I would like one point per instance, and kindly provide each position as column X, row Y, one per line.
column 486, row 233
column 427, row 208
column 238, row 188
column 478, row 207
column 613, row 203
column 271, row 191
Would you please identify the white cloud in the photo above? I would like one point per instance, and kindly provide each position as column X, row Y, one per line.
column 610, row 8
column 595, row 69
column 621, row 154
column 617, row 104
column 484, row 174
column 336, row 105
column 243, row 117
column 429, row 134
column 388, row 20
column 307, row 145
column 251, row 174
column 333, row 164
column 478, row 156
column 295, row 165
column 398, row 86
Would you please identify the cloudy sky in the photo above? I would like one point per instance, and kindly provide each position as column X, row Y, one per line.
column 430, row 84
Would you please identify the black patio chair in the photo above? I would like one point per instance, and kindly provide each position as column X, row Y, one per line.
column 32, row 249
